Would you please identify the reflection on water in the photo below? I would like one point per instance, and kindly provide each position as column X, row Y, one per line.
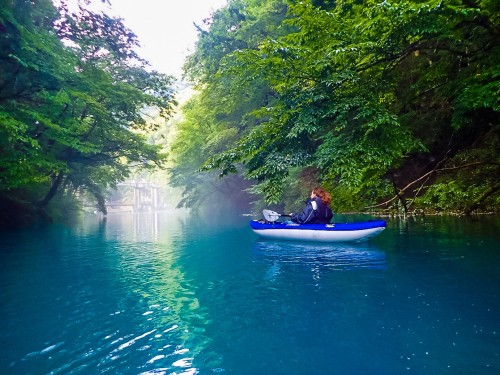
column 101, row 297
column 166, row 293
column 160, row 226
column 331, row 256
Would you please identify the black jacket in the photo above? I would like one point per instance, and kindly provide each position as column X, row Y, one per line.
column 314, row 213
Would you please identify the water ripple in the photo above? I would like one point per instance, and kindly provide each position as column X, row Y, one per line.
column 334, row 256
column 117, row 298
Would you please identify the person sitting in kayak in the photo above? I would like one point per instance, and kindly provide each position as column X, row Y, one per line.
column 317, row 209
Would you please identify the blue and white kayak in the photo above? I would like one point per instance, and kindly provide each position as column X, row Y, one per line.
column 335, row 232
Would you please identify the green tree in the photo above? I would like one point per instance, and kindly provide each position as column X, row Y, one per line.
column 221, row 113
column 197, row 136
column 72, row 96
column 373, row 96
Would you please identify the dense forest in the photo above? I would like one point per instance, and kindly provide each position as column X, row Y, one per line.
column 73, row 95
column 391, row 106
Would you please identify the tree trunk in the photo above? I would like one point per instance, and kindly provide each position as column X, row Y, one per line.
column 53, row 190
column 399, row 195
column 478, row 202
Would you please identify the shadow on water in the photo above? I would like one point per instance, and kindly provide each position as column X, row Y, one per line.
column 333, row 256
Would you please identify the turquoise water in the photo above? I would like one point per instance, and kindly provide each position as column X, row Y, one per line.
column 174, row 294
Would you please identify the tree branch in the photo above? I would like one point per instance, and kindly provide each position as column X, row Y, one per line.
column 476, row 205
column 428, row 174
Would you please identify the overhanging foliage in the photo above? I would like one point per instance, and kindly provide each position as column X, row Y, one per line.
column 372, row 94
column 72, row 95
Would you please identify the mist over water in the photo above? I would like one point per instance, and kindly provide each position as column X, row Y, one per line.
column 177, row 293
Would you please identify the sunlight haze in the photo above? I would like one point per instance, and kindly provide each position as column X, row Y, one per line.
column 164, row 27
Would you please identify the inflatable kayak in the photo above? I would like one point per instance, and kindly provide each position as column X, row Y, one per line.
column 335, row 232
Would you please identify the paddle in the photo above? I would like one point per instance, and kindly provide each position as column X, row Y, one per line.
column 272, row 216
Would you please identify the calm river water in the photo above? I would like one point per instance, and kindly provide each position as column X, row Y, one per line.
column 176, row 294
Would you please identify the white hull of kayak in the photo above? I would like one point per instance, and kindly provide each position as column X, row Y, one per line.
column 319, row 236
column 334, row 232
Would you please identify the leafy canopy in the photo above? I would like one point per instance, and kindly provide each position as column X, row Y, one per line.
column 72, row 99
column 369, row 94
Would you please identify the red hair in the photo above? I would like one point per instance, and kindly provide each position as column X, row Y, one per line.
column 323, row 194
